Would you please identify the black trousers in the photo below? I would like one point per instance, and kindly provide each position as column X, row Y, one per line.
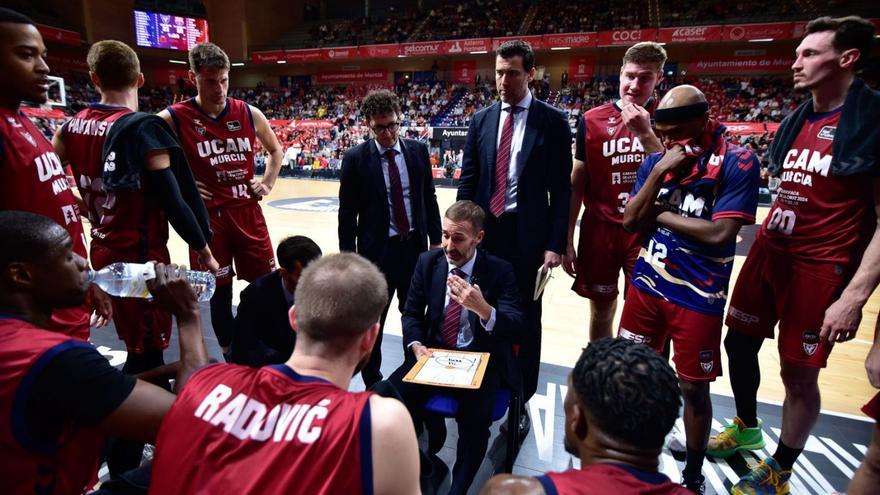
column 501, row 240
column 474, row 417
column 397, row 266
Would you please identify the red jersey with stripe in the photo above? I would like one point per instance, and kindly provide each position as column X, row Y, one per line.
column 32, row 179
column 28, row 465
column 601, row 479
column 219, row 150
column 131, row 224
column 613, row 155
column 818, row 216
column 268, row 431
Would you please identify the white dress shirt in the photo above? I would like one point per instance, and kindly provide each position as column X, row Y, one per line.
column 404, row 184
column 517, row 161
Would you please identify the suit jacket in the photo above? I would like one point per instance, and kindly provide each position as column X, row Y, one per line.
column 262, row 334
column 364, row 216
column 544, row 186
column 424, row 312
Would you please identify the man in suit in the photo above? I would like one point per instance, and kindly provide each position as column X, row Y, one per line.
column 262, row 334
column 517, row 166
column 387, row 204
column 462, row 298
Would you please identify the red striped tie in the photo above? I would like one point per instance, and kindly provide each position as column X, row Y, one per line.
column 502, row 164
column 452, row 320
column 401, row 222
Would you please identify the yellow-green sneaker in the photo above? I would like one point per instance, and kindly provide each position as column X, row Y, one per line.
column 767, row 478
column 734, row 437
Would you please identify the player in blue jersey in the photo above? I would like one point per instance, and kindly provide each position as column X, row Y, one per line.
column 689, row 202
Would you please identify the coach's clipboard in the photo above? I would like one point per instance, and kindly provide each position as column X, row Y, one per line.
column 541, row 280
column 447, row 368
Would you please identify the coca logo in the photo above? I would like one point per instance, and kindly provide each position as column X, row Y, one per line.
column 635, row 35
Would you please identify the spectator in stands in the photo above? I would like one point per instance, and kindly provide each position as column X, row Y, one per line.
column 262, row 334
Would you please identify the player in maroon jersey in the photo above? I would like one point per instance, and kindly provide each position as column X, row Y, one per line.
column 59, row 396
column 622, row 400
column 867, row 477
column 31, row 175
column 816, row 259
column 127, row 226
column 218, row 136
column 294, row 427
column 612, row 141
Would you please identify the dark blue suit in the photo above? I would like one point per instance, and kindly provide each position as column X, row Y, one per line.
column 364, row 220
column 423, row 318
column 540, row 222
column 262, row 333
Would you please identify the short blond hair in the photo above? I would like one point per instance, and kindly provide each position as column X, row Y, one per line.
column 646, row 53
column 115, row 63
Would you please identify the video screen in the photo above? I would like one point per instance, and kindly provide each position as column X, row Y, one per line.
column 156, row 30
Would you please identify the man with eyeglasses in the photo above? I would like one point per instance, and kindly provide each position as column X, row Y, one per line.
column 387, row 205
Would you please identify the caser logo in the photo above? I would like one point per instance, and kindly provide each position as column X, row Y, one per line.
column 690, row 31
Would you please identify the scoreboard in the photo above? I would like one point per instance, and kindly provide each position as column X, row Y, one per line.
column 157, row 30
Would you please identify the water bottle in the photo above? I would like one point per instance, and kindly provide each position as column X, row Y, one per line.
column 130, row 280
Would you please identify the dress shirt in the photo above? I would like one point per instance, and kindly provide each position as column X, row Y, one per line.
column 516, row 160
column 404, row 184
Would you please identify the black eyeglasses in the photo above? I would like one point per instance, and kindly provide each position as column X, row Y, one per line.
column 392, row 127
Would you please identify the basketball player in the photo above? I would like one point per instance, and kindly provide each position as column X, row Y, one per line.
column 59, row 396
column 690, row 202
column 612, row 141
column 294, row 427
column 218, row 135
column 816, row 259
column 622, row 400
column 128, row 226
column 31, row 175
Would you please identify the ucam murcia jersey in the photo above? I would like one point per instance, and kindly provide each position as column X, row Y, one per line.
column 818, row 216
column 613, row 155
column 219, row 150
column 236, row 429
column 124, row 221
column 32, row 177
column 684, row 271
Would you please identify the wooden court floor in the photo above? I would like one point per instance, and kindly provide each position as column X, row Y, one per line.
column 844, row 386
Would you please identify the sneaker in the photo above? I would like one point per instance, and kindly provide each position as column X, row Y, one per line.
column 734, row 437
column 695, row 483
column 676, row 440
column 766, row 478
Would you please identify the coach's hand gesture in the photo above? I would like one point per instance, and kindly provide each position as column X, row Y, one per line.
column 469, row 296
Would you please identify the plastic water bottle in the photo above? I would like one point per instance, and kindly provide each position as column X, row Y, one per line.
column 130, row 280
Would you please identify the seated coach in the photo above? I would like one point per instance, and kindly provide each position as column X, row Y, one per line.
column 462, row 298
column 262, row 333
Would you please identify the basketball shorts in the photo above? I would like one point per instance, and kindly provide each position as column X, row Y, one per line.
column 603, row 250
column 139, row 322
column 240, row 237
column 773, row 287
column 872, row 409
column 696, row 337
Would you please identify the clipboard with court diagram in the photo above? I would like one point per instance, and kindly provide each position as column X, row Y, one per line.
column 447, row 368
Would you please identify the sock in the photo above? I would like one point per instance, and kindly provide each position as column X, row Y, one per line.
column 745, row 375
column 786, row 456
column 221, row 314
column 694, row 462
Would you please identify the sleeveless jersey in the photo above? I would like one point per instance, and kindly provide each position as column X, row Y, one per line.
column 219, row 150
column 613, row 155
column 131, row 224
column 28, row 465
column 601, row 479
column 267, row 431
column 32, row 179
column 679, row 269
column 817, row 216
